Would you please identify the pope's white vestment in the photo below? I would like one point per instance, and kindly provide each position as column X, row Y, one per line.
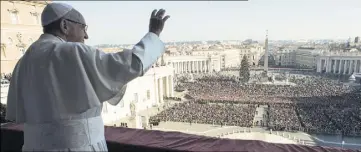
column 57, row 90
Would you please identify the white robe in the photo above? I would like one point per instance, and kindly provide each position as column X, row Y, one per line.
column 57, row 90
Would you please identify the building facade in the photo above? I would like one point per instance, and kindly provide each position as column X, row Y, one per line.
column 339, row 63
column 285, row 57
column 193, row 64
column 142, row 93
column 306, row 57
column 297, row 57
column 20, row 27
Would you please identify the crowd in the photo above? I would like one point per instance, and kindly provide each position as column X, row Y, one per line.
column 283, row 117
column 229, row 90
column 216, row 114
column 316, row 104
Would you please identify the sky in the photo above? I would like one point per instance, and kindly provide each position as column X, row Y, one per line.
column 126, row 22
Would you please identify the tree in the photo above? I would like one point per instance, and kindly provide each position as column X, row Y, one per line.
column 244, row 70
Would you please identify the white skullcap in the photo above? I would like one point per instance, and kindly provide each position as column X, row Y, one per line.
column 54, row 11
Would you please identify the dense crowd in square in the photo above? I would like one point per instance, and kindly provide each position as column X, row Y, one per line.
column 316, row 104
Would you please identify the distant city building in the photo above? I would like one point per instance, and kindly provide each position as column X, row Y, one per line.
column 285, row 57
column 217, row 56
column 357, row 40
column 306, row 57
column 339, row 63
column 20, row 27
column 302, row 57
column 194, row 64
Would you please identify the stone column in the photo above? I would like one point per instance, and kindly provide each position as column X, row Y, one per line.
column 339, row 67
column 195, row 66
column 355, row 66
column 359, row 71
column 198, row 67
column 160, row 81
column 182, row 68
column 328, row 65
column 203, row 66
column 167, row 86
column 174, row 67
column 171, row 86
column 189, row 67
column 334, row 66
column 185, row 67
column 156, row 90
column 319, row 65
column 193, row 70
column 210, row 66
column 350, row 67
column 177, row 68
column 344, row 66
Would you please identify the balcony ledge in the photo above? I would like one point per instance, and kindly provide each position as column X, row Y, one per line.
column 128, row 139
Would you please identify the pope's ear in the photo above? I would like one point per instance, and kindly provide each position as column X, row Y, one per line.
column 64, row 26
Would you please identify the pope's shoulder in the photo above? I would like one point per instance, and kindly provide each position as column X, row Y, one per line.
column 72, row 47
column 62, row 49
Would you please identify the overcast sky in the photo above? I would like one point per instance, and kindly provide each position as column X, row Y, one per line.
column 117, row 22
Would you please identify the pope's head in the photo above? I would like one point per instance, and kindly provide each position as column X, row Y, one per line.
column 64, row 21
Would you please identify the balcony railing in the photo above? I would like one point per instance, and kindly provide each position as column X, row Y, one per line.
column 127, row 139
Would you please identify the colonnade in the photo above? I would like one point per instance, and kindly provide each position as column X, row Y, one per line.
column 202, row 66
column 339, row 65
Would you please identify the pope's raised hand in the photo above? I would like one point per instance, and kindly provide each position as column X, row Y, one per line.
column 157, row 21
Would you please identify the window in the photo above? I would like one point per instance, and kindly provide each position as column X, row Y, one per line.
column 135, row 97
column 31, row 41
column 10, row 41
column 148, row 94
column 36, row 19
column 22, row 51
column 14, row 16
column 35, row 15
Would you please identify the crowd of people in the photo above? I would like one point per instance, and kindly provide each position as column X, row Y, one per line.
column 283, row 117
column 213, row 113
column 316, row 104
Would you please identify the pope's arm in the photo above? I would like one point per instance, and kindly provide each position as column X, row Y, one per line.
column 109, row 72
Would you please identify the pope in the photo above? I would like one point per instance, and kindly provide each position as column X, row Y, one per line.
column 59, row 85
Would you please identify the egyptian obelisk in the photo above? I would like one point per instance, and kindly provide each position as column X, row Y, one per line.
column 265, row 64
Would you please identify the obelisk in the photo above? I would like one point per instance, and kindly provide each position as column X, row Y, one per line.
column 265, row 64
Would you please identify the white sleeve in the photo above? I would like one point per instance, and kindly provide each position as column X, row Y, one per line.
column 148, row 50
column 110, row 72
